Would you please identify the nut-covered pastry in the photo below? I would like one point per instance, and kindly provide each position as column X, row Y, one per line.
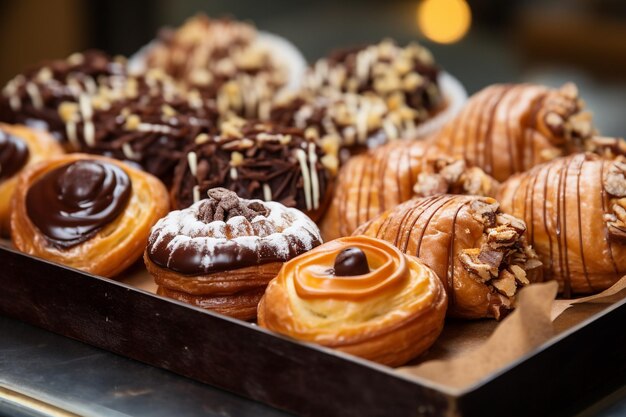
column 225, row 60
column 261, row 161
column 359, row 295
column 381, row 179
column 85, row 211
column 575, row 209
column 479, row 253
column 20, row 147
column 33, row 97
column 221, row 252
column 510, row 128
column 147, row 120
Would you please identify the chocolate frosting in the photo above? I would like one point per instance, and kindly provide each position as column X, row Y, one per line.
column 225, row 232
column 70, row 204
column 261, row 161
column 13, row 154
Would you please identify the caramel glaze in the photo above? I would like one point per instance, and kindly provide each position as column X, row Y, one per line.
column 70, row 204
column 14, row 154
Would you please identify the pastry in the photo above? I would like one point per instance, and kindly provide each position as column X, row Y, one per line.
column 575, row 209
column 479, row 253
column 88, row 212
column 376, row 181
column 221, row 252
column 260, row 161
column 33, row 97
column 359, row 295
column 20, row 147
column 226, row 61
column 510, row 128
column 147, row 120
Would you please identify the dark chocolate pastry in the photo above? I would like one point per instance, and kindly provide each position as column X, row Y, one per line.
column 148, row 120
column 257, row 160
column 33, row 97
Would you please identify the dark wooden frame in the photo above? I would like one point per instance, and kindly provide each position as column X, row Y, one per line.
column 565, row 374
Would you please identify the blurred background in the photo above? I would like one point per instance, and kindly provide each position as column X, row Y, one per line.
column 478, row 41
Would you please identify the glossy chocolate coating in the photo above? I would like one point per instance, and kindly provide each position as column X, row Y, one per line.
column 351, row 262
column 13, row 154
column 70, row 204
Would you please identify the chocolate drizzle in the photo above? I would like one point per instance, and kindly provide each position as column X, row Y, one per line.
column 72, row 203
column 13, row 154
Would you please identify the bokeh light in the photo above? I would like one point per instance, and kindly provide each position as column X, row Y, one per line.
column 444, row 21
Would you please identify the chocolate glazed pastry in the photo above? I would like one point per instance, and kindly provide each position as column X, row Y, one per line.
column 20, row 147
column 381, row 179
column 147, row 120
column 221, row 252
column 359, row 295
column 257, row 160
column 87, row 212
column 510, row 128
column 33, row 97
column 575, row 209
column 479, row 252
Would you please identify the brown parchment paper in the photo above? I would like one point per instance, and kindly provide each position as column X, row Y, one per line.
column 467, row 352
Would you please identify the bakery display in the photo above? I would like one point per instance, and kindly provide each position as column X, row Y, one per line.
column 221, row 252
column 227, row 61
column 510, row 128
column 379, row 180
column 20, row 148
column 258, row 161
column 88, row 212
column 359, row 295
column 575, row 209
column 34, row 96
column 479, row 252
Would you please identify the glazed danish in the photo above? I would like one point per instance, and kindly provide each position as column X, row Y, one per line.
column 510, row 128
column 221, row 252
column 479, row 252
column 88, row 212
column 575, row 209
column 359, row 295
column 20, row 148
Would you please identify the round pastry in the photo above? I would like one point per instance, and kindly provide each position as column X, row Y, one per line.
column 221, row 252
column 376, row 181
column 33, row 97
column 227, row 62
column 88, row 212
column 20, row 147
column 359, row 295
column 510, row 128
column 479, row 252
column 259, row 161
column 575, row 208
column 147, row 120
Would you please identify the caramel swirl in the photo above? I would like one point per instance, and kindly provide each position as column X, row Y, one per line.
column 13, row 154
column 70, row 204
column 314, row 275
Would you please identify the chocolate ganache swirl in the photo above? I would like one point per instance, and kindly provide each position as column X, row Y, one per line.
column 70, row 204
column 13, row 154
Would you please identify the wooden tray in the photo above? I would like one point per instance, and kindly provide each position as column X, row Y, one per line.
column 570, row 371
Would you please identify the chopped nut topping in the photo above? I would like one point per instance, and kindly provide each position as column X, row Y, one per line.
column 132, row 122
column 236, row 159
column 615, row 179
column 505, row 283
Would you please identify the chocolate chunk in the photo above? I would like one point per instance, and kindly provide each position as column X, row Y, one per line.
column 350, row 262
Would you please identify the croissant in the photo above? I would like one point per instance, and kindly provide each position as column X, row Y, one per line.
column 510, row 128
column 479, row 252
column 381, row 179
column 359, row 295
column 575, row 208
